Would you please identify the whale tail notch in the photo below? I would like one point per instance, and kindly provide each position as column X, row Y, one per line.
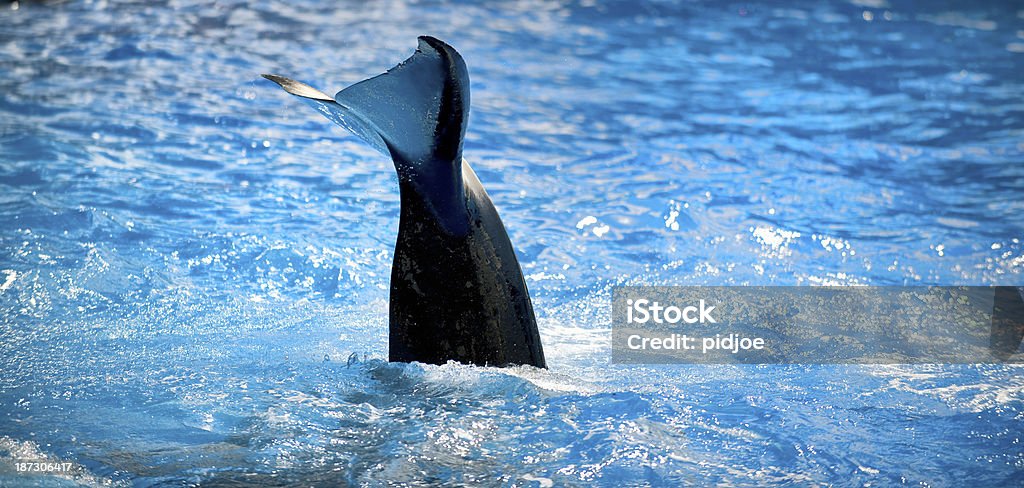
column 416, row 111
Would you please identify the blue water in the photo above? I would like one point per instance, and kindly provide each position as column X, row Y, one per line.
column 194, row 266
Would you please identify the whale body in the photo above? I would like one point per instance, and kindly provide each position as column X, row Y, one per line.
column 457, row 291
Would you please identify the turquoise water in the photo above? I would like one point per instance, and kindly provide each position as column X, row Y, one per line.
column 194, row 266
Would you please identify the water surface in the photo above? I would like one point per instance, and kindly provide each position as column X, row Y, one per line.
column 194, row 266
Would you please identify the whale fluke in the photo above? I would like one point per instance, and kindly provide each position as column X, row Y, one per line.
column 457, row 291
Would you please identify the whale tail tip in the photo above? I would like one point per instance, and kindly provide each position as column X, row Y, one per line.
column 298, row 88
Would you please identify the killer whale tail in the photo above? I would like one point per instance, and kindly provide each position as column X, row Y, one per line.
column 416, row 111
column 449, row 231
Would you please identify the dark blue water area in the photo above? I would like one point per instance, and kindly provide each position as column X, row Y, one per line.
column 194, row 266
